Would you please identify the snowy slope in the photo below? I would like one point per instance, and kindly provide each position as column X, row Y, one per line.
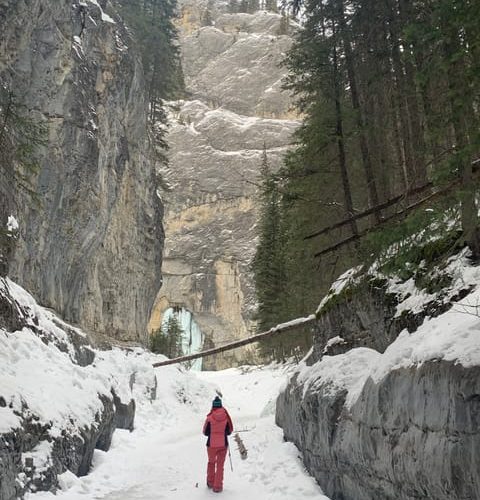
column 38, row 369
column 59, row 397
column 165, row 456
column 453, row 336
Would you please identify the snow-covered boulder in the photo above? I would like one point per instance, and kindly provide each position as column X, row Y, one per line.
column 60, row 398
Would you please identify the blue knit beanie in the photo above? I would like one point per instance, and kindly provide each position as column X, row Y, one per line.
column 217, row 402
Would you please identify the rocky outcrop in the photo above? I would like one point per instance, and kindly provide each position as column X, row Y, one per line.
column 415, row 434
column 32, row 460
column 233, row 75
column 43, row 433
column 29, row 453
column 237, row 65
column 365, row 315
column 90, row 245
column 379, row 412
column 11, row 318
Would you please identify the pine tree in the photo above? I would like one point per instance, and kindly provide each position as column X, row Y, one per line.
column 21, row 135
column 389, row 91
column 455, row 31
column 168, row 339
column 268, row 264
column 154, row 31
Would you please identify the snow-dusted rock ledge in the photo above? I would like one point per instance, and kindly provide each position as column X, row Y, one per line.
column 399, row 424
column 415, row 434
column 60, row 399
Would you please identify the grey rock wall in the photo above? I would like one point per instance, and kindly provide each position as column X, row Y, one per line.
column 73, row 452
column 413, row 435
column 236, row 105
column 364, row 315
column 91, row 246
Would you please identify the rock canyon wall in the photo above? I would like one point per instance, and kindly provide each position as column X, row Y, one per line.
column 236, row 105
column 90, row 247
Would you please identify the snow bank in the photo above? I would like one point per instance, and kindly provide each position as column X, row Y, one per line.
column 453, row 336
column 337, row 340
column 37, row 318
column 414, row 299
column 42, row 381
column 332, row 374
column 348, row 278
column 35, row 372
column 8, row 420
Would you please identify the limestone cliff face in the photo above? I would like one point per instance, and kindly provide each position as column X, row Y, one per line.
column 91, row 248
column 374, row 420
column 233, row 74
column 413, row 435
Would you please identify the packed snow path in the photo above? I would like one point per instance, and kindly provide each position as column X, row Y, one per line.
column 165, row 456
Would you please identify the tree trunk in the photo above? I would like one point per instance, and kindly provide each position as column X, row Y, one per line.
column 416, row 132
column 402, row 108
column 366, row 158
column 284, row 327
column 340, row 139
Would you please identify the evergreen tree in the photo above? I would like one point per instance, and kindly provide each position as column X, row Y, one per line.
column 168, row 339
column 268, row 264
column 20, row 137
column 152, row 23
column 321, row 174
column 390, row 92
column 445, row 40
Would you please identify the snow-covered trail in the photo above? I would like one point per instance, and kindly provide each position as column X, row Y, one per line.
column 165, row 457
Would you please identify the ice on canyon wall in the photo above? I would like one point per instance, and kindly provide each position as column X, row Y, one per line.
column 192, row 336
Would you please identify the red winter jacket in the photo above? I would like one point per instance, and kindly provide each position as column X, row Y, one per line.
column 218, row 425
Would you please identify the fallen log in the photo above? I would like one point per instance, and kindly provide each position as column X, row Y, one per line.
column 395, row 216
column 392, row 201
column 283, row 327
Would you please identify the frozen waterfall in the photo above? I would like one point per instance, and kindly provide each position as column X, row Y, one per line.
column 192, row 336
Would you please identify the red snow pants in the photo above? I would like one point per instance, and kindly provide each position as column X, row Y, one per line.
column 216, row 459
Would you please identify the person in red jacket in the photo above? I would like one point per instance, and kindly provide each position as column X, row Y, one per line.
column 218, row 425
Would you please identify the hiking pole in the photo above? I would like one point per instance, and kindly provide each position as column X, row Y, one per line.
column 230, row 457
